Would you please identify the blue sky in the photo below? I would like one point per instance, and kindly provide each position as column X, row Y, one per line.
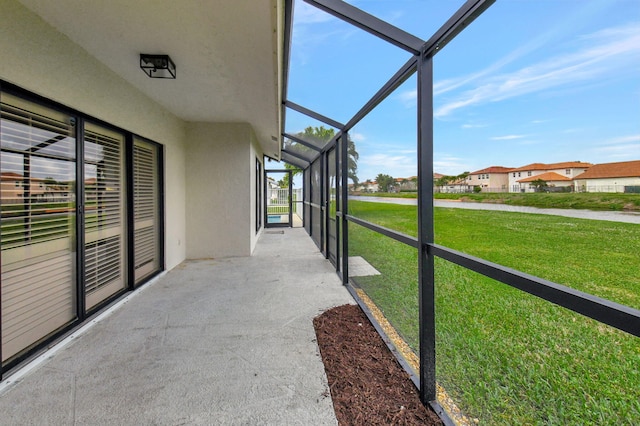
column 528, row 81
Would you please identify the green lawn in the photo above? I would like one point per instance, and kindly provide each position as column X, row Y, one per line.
column 569, row 200
column 507, row 357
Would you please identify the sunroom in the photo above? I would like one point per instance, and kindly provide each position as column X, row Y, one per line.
column 112, row 176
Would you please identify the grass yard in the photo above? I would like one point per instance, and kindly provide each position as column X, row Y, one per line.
column 567, row 200
column 507, row 357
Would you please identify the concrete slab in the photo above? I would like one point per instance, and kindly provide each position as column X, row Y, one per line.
column 215, row 341
column 359, row 267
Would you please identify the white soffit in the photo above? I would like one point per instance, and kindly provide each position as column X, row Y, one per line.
column 227, row 53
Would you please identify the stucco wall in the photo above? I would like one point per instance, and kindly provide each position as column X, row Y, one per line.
column 42, row 60
column 219, row 207
column 606, row 184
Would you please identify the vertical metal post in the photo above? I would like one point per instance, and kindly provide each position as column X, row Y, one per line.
column 129, row 150
column 344, row 197
column 323, row 205
column 161, row 167
column 426, row 283
column 338, row 188
column 80, row 221
column 290, row 189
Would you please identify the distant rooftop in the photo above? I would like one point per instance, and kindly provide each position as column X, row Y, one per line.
column 612, row 170
column 548, row 176
column 553, row 166
column 493, row 169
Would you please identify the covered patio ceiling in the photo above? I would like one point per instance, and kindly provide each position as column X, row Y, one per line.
column 228, row 54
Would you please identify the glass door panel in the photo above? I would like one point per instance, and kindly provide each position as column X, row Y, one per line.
column 37, row 197
column 104, row 207
column 146, row 207
column 278, row 198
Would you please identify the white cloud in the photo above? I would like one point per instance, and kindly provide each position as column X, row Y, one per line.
column 447, row 164
column 619, row 149
column 473, row 126
column 507, row 137
column 306, row 14
column 384, row 159
column 391, row 164
column 608, row 50
column 408, row 98
column 357, row 137
column 314, row 29
column 618, row 152
column 623, row 139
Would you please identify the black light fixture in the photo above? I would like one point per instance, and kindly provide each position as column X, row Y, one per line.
column 157, row 66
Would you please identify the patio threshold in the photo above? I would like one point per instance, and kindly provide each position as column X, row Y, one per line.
column 213, row 341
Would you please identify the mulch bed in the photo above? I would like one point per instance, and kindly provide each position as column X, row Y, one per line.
column 367, row 384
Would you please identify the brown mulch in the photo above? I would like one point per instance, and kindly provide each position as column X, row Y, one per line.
column 367, row 384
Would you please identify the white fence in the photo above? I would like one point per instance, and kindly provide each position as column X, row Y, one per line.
column 278, row 201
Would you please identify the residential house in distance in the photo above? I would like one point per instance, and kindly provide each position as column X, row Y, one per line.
column 457, row 186
column 622, row 176
column 407, row 184
column 369, row 186
column 553, row 172
column 555, row 182
column 14, row 187
column 491, row 179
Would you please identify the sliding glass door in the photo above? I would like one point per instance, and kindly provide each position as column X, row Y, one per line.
column 38, row 168
column 81, row 219
column 146, row 209
column 104, row 214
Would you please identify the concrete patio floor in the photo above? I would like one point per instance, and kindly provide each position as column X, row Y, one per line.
column 214, row 341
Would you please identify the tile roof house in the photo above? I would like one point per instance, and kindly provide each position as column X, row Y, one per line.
column 552, row 179
column 491, row 179
column 407, row 184
column 569, row 169
column 623, row 176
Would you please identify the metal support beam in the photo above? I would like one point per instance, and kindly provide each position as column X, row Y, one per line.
column 302, row 142
column 605, row 311
column 296, row 155
column 286, row 58
column 454, row 25
column 302, row 163
column 390, row 233
column 369, row 23
column 344, row 204
column 310, row 113
column 394, row 82
column 426, row 279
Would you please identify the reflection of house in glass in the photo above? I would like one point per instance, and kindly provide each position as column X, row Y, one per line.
column 15, row 188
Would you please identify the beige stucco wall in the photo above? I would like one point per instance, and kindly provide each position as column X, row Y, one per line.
column 36, row 57
column 606, row 184
column 220, row 177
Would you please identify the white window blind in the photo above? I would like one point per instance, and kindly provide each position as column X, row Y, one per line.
column 146, row 205
column 38, row 217
column 104, row 213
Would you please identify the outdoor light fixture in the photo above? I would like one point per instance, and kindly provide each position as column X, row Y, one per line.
column 157, row 66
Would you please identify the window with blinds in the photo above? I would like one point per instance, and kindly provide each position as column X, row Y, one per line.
column 104, row 214
column 146, row 209
column 37, row 198
column 45, row 265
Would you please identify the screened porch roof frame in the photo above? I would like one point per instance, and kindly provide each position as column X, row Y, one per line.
column 466, row 14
